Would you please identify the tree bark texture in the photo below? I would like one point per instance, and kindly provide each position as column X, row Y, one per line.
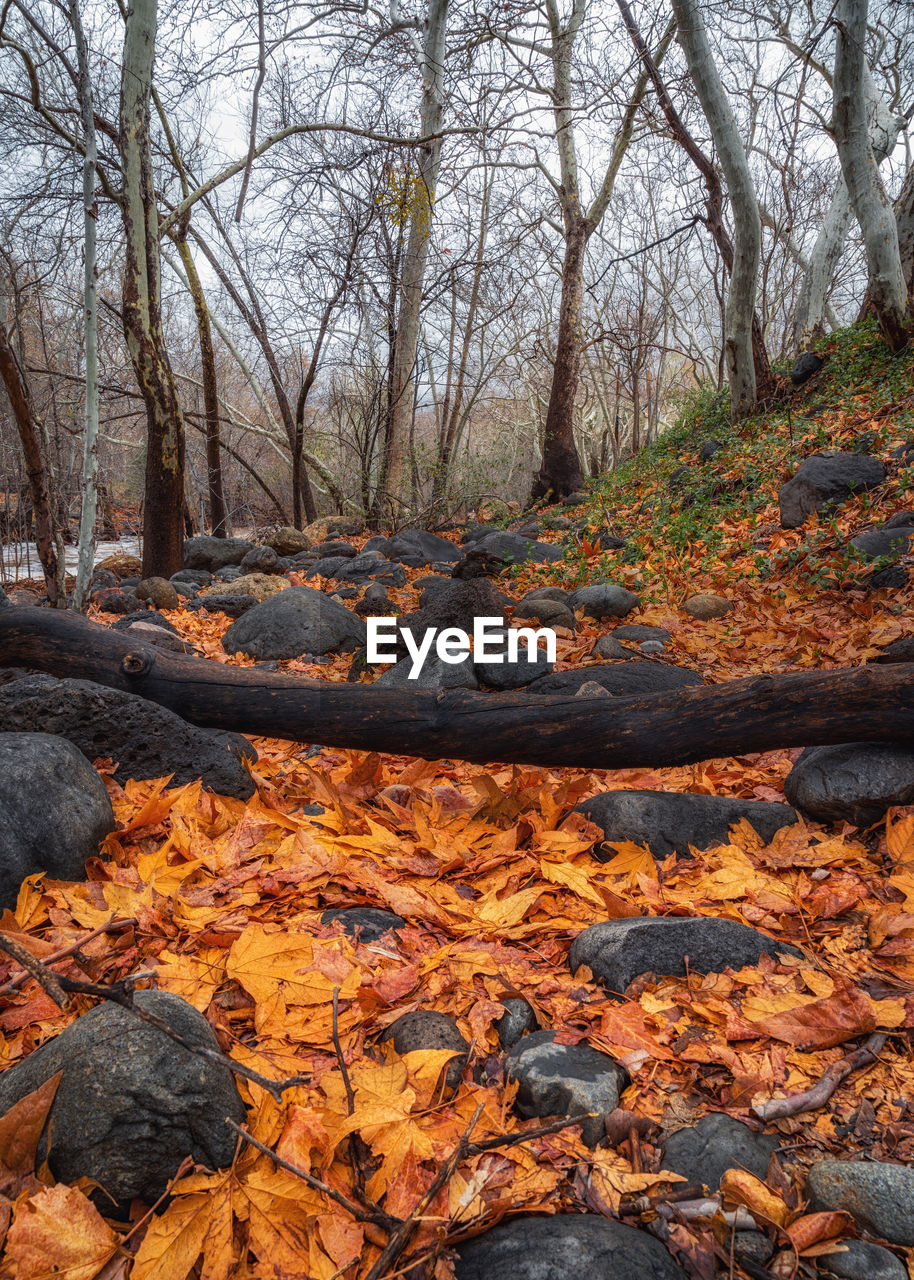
column 747, row 224
column 870, row 703
column 164, row 489
column 872, row 209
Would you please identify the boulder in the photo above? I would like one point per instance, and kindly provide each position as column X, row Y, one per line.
column 434, row 674
column 669, row 822
column 259, row 586
column 422, row 547
column 260, row 560
column 901, row 650
column 512, row 675
column 565, row 1080
column 5, row 602
column 199, row 577
column 56, row 811
column 205, row 552
column 158, row 591
column 706, row 606
column 102, row 578
column 900, row 520
column 709, row 449
column 287, row 541
column 806, row 364
column 223, row 602
column 121, row 564
column 618, row 951
column 146, row 740
column 854, row 782
column 148, row 617
column 603, row 600
column 878, row 1195
column 295, row 621
column 518, row 1018
column 623, row 679
column 825, row 480
column 328, row 567
column 638, row 633
column 515, row 549
column 428, row 1029
column 335, row 547
column 131, row 1102
column 546, row 593
column 860, row 1260
column 366, row 923
column 702, row 1153
column 894, row 541
column 151, row 634
column 108, row 600
column 228, row 573
column 564, row 1246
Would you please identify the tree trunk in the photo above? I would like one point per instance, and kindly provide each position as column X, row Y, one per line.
column 421, row 198
column 163, row 504
column 747, row 224
column 809, row 322
column 560, row 473
column 214, row 487
column 886, row 283
column 763, row 713
column 904, row 222
column 88, row 509
column 28, row 427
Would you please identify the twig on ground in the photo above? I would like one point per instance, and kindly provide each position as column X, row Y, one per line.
column 377, row 1216
column 121, row 993
column 111, row 927
column 816, row 1097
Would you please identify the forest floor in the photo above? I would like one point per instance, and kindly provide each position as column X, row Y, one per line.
column 495, row 880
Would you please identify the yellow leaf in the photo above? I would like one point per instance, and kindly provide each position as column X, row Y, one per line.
column 57, row 1232
column 508, row 911
column 742, row 1187
column 630, row 860
column 573, row 877
column 174, row 1239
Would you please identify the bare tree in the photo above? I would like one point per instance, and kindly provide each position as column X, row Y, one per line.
column 872, row 209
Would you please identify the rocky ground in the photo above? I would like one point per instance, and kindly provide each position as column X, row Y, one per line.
column 709, row 966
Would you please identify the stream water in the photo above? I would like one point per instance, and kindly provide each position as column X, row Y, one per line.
column 19, row 560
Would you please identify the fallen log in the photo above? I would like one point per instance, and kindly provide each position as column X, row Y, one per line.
column 867, row 703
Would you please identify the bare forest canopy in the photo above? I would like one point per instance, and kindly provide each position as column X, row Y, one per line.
column 263, row 262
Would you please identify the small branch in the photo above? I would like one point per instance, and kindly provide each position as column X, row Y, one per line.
column 378, row 1217
column 816, row 1097
column 112, row 927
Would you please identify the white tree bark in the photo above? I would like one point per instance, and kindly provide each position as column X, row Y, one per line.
column 89, row 494
column 415, row 258
column 860, row 169
column 747, row 224
column 812, row 306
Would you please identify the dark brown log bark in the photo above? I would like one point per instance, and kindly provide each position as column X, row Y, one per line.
column 871, row 703
column 560, row 473
column 17, row 390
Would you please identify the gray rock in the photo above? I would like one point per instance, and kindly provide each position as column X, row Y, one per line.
column 900, row 520
column 854, row 782
column 704, row 1152
column 518, row 1018
column 260, row 560
column 565, row 1247
column 706, row 605
column 668, row 822
column 512, row 675
column 898, row 651
column 109, row 600
column 709, row 449
column 295, row 621
column 131, row 1102
column 824, row 480
column 892, row 577
column 234, row 604
column 204, row 552
column 623, row 679
column 367, row 923
column 565, row 1080
column 878, row 1195
column 618, row 951
column 159, row 591
column 151, row 634
column 378, row 543
column 549, row 612
column 56, row 811
column 102, row 578
column 434, row 674
column 422, row 547
column 148, row 617
column 590, row 689
column 288, row 541
column 603, row 600
column 5, row 602
column 637, row 632
column 752, row 1246
column 228, row 573
column 328, row 567
column 428, row 1029
column 146, row 740
column 860, row 1260
column 335, row 547
column 895, row 541
column 546, row 593
column 515, row 548
column 807, row 363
